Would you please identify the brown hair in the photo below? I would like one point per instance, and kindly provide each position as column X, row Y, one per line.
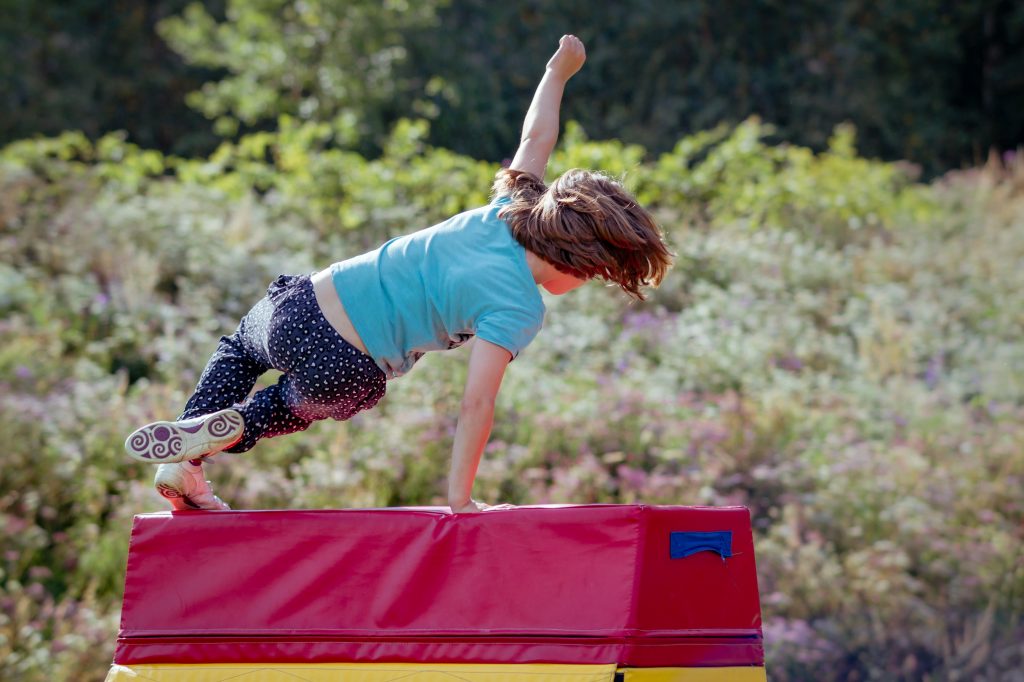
column 587, row 225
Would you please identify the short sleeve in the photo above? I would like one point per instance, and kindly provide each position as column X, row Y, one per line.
column 512, row 329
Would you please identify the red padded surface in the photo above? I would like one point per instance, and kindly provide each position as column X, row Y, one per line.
column 653, row 653
column 703, row 592
column 577, row 584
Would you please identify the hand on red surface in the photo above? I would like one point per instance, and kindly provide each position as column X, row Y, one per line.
column 472, row 507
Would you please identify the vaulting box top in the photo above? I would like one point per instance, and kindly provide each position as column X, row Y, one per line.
column 639, row 574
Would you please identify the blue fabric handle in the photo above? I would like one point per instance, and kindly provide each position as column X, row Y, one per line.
column 683, row 544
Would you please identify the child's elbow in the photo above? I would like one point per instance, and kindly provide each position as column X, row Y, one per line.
column 477, row 405
column 539, row 140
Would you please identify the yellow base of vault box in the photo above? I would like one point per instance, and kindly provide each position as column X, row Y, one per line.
column 417, row 672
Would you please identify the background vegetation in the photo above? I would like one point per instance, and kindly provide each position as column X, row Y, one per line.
column 838, row 347
column 930, row 81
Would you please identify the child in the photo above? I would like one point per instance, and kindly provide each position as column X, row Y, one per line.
column 341, row 333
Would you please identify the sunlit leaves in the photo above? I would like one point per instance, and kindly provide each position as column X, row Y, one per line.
column 316, row 60
column 835, row 349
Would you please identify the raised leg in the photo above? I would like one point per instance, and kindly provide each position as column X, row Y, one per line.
column 267, row 414
column 233, row 369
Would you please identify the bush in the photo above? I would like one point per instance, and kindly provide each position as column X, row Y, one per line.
column 834, row 349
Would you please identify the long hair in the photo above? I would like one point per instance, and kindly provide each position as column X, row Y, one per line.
column 587, row 225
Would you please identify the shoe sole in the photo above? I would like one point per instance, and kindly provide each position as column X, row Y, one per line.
column 168, row 442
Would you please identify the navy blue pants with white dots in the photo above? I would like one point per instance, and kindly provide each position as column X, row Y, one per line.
column 323, row 374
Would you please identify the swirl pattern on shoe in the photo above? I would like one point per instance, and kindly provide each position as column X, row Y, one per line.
column 184, row 485
column 165, row 442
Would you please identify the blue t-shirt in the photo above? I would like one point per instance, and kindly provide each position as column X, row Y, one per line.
column 436, row 288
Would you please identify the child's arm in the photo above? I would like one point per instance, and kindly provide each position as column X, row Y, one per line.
column 540, row 129
column 487, row 363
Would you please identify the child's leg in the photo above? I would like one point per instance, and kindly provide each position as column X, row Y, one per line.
column 206, row 425
column 241, row 358
column 324, row 376
column 231, row 372
column 267, row 414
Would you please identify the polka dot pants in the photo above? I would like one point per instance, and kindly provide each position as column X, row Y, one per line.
column 323, row 375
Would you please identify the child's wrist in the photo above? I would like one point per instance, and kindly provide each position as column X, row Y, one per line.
column 555, row 73
column 469, row 505
column 458, row 500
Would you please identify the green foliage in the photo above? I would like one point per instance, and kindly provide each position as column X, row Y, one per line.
column 98, row 66
column 721, row 176
column 831, row 196
column 834, row 349
column 331, row 61
column 340, row 192
column 929, row 81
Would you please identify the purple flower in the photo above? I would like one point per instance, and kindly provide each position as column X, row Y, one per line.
column 23, row 372
column 640, row 321
column 790, row 363
column 634, row 479
column 934, row 371
column 39, row 572
column 798, row 640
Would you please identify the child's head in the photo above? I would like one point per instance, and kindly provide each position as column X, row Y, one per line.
column 587, row 225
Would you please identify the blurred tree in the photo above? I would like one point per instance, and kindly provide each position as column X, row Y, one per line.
column 322, row 60
column 933, row 81
column 97, row 66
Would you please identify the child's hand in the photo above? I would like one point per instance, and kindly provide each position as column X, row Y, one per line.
column 472, row 507
column 569, row 57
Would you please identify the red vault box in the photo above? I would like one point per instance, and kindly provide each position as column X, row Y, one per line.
column 634, row 585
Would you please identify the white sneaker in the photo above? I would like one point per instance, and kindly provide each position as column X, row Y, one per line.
column 188, row 439
column 185, row 487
